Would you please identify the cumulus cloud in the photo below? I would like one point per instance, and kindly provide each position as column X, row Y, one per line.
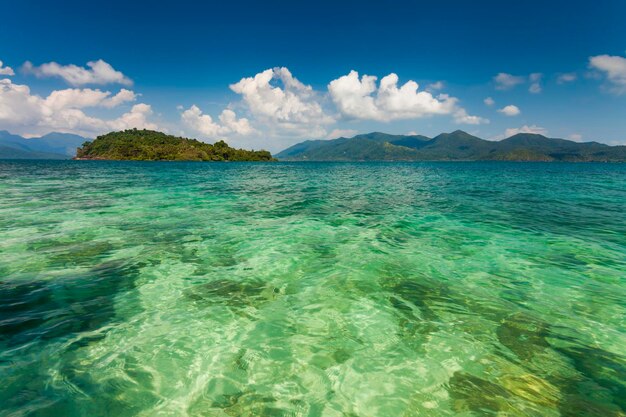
column 122, row 96
column 284, row 104
column 614, row 68
column 510, row 110
column 81, row 98
column 506, row 81
column 525, row 129
column 4, row 70
column 489, row 101
column 136, row 118
column 361, row 98
column 342, row 133
column 62, row 110
column 97, row 72
column 227, row 123
column 576, row 137
column 535, row 82
column 567, row 77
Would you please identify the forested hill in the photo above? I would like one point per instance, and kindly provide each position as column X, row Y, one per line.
column 455, row 146
column 149, row 145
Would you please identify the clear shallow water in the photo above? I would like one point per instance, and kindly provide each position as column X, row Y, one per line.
column 371, row 289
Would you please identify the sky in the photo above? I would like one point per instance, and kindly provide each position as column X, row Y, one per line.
column 271, row 74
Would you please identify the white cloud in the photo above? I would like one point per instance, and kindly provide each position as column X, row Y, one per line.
column 489, row 101
column 342, row 133
column 525, row 129
column 203, row 123
column 614, row 68
column 122, row 96
column 535, row 82
column 435, row 86
column 6, row 70
column 566, row 78
column 353, row 96
column 136, row 118
column 284, row 104
column 17, row 106
column 506, row 81
column 461, row 117
column 228, row 119
column 362, row 98
column 576, row 137
column 62, row 111
column 98, row 72
column 81, row 98
column 510, row 110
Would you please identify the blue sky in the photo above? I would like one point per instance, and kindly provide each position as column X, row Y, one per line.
column 180, row 66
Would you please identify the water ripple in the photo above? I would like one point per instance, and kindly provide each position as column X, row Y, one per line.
column 331, row 289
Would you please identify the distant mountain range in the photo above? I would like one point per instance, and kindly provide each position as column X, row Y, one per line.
column 376, row 146
column 51, row 146
column 455, row 146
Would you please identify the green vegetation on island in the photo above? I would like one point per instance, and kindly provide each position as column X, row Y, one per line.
column 149, row 145
column 455, row 146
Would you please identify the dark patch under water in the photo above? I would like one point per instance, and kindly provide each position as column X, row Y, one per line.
column 50, row 312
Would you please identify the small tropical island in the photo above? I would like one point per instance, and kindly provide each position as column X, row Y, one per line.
column 150, row 145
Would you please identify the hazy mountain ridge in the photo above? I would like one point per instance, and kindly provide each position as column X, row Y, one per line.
column 455, row 146
column 51, row 146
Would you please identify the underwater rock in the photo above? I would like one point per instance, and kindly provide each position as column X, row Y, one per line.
column 41, row 312
column 425, row 296
column 523, row 335
column 471, row 393
column 533, row 389
column 600, row 389
column 235, row 294
column 55, row 308
column 417, row 302
column 81, row 254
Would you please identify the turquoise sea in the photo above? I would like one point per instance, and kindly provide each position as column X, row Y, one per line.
column 312, row 289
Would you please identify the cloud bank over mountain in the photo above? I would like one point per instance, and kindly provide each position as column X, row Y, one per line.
column 272, row 108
